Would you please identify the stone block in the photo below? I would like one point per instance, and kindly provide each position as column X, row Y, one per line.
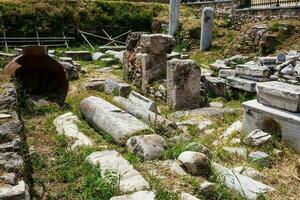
column 216, row 86
column 113, row 48
column 272, row 120
column 117, row 87
column 241, row 84
column 143, row 101
column 130, row 179
column 224, row 73
column 206, row 28
column 133, row 39
column 157, row 43
column 106, row 117
column 97, row 56
column 197, row 164
column 183, row 84
column 279, row 95
column 253, row 70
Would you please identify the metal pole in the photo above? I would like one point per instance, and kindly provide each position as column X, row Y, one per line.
column 109, row 37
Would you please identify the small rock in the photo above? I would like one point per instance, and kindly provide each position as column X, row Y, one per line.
column 235, row 127
column 209, row 131
column 148, row 147
column 174, row 167
column 207, row 187
column 187, row 196
column 257, row 138
column 242, row 152
column 288, row 70
column 194, row 146
column 4, row 116
column 281, row 57
column 216, row 104
column 9, row 178
column 261, row 158
column 195, row 163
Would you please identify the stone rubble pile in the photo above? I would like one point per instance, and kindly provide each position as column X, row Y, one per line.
column 12, row 165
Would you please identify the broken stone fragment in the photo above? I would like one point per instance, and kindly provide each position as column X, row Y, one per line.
column 116, row 54
column 66, row 124
column 9, row 178
column 95, row 84
column 157, row 43
column 260, row 158
column 80, row 55
column 233, row 128
column 248, row 171
column 97, row 56
column 195, row 163
column 288, row 70
column 148, row 147
column 70, row 70
column 19, row 191
column 106, row 117
column 187, row 196
column 174, row 166
column 257, row 138
column 117, row 87
column 130, row 179
column 247, row 187
column 141, row 195
column 207, row 188
column 241, row 84
column 11, row 161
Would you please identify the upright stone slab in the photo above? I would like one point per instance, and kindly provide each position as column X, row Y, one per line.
column 130, row 179
column 279, row 95
column 206, row 28
column 273, row 121
column 183, row 84
column 104, row 116
column 173, row 16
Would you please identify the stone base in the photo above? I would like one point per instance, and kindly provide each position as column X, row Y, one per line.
column 272, row 120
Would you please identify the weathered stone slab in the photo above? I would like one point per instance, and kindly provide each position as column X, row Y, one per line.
column 224, row 73
column 117, row 88
column 131, row 180
column 80, row 55
column 206, row 28
column 19, row 191
column 247, row 187
column 219, row 64
column 104, row 116
column 183, row 84
column 253, row 70
column 255, row 78
column 196, row 163
column 66, row 124
column 148, row 147
column 280, row 95
column 273, row 121
column 157, row 43
column 242, row 84
column 141, row 195
column 173, row 16
column 187, row 196
column 113, row 48
column 248, row 171
column 257, row 138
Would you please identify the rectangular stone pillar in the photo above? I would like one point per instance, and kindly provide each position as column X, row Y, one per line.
column 183, row 84
column 173, row 16
column 206, row 28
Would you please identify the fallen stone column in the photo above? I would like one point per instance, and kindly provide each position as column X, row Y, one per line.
column 130, row 180
column 143, row 114
column 106, row 117
column 66, row 124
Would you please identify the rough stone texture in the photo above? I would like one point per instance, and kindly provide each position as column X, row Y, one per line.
column 260, row 158
column 131, row 180
column 239, row 151
column 183, row 84
column 117, row 88
column 247, row 187
column 173, row 16
column 257, row 138
column 148, row 147
column 70, row 70
column 235, row 127
column 157, row 43
column 141, row 195
column 224, row 73
column 206, row 28
column 16, row 192
column 143, row 102
column 280, row 95
column 8, row 97
column 112, row 48
column 174, row 167
column 267, row 60
column 253, row 70
column 248, row 171
column 97, row 56
column 173, row 55
column 133, row 39
column 207, row 187
column 195, row 163
column 80, row 55
column 66, row 124
column 187, row 196
column 105, row 116
column 242, row 84
column 95, row 84
column 116, row 54
column 216, row 86
column 219, row 65
column 142, row 111
column 273, row 121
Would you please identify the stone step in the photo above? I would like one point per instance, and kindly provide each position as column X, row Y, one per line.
column 247, row 187
column 253, row 70
column 104, row 116
column 66, row 124
column 131, row 180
